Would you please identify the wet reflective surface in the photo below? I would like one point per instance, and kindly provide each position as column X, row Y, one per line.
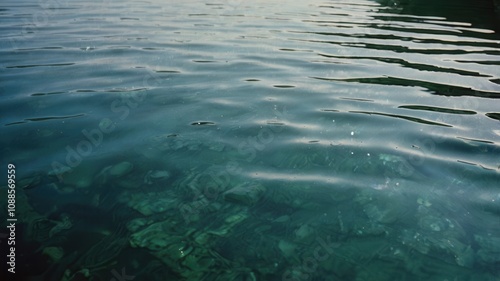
column 272, row 140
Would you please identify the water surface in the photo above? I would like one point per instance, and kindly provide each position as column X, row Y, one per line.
column 271, row 140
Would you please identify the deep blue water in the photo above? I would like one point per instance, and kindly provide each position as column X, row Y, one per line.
column 264, row 140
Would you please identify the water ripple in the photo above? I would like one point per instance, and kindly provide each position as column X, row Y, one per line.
column 409, row 118
column 47, row 118
column 333, row 105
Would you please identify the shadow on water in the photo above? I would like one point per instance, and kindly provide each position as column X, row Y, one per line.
column 483, row 14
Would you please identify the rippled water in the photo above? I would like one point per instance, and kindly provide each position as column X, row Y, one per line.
column 264, row 140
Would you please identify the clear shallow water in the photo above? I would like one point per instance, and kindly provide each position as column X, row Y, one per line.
column 333, row 140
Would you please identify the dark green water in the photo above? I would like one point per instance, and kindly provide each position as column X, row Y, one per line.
column 264, row 140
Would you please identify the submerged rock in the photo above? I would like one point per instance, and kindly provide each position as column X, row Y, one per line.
column 138, row 223
column 55, row 253
column 30, row 182
column 246, row 194
column 287, row 248
column 489, row 248
column 152, row 203
column 303, row 232
column 64, row 224
column 199, row 261
column 173, row 245
column 432, row 223
column 155, row 237
column 386, row 215
column 121, row 169
column 113, row 172
column 153, row 176
column 465, row 257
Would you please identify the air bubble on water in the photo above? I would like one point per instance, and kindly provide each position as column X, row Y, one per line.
column 352, row 133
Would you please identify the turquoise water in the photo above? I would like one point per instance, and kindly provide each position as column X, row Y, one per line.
column 264, row 140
